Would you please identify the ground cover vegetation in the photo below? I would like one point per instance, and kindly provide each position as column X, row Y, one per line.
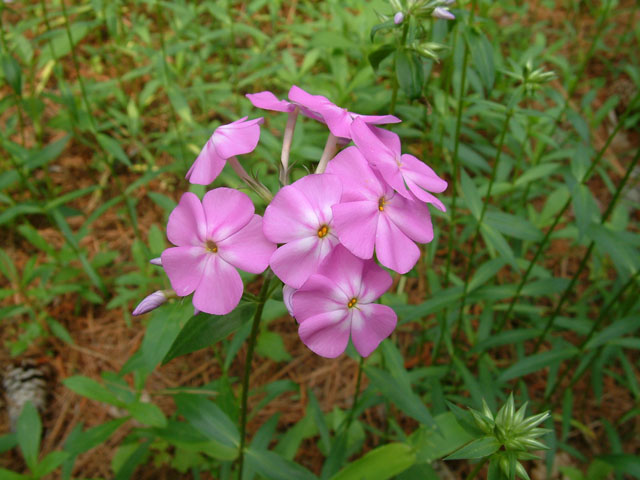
column 513, row 350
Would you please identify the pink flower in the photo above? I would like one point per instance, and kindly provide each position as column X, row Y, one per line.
column 227, row 141
column 337, row 302
column 214, row 238
column 337, row 119
column 371, row 214
column 404, row 173
column 300, row 217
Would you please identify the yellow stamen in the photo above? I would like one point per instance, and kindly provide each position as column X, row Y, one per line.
column 381, row 204
column 323, row 231
column 211, row 247
column 352, row 302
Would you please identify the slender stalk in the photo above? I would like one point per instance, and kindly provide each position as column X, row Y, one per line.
column 329, row 151
column 287, row 138
column 394, row 91
column 585, row 258
column 355, row 395
column 604, row 314
column 570, row 91
column 262, row 299
column 564, row 208
column 473, row 473
column 254, row 184
column 456, row 159
column 476, row 233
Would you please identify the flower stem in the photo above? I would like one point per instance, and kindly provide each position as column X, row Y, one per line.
column 476, row 233
column 262, row 299
column 251, row 182
column 355, row 395
column 477, row 469
column 394, row 91
column 329, row 151
column 565, row 207
column 585, row 258
column 286, row 146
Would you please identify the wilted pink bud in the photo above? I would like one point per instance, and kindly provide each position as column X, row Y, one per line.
column 398, row 18
column 443, row 13
column 151, row 302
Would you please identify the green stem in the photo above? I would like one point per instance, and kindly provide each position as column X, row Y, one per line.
column 594, row 328
column 477, row 468
column 585, row 258
column 394, row 92
column 476, row 233
column 355, row 395
column 571, row 90
column 564, row 208
column 255, row 327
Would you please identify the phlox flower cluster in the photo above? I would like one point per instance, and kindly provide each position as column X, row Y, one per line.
column 324, row 236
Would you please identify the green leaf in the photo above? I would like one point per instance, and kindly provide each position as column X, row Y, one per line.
column 608, row 242
column 389, row 24
column 624, row 463
column 584, row 207
column 272, row 466
column 185, row 436
column 479, row 448
column 28, row 433
column 409, row 73
column 482, row 56
column 9, row 475
column 7, row 442
column 380, row 463
column 471, row 195
column 616, row 330
column 113, row 148
column 49, row 463
column 92, row 437
column 208, row 419
column 433, row 443
column 87, row 387
column 148, row 414
column 513, row 225
column 180, row 104
column 271, row 345
column 204, row 330
column 380, row 54
column 534, row 173
column 535, row 362
column 497, row 242
column 400, row 394
column 12, row 73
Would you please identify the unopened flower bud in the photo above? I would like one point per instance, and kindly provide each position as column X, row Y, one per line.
column 151, row 302
column 398, row 18
column 443, row 13
column 156, row 261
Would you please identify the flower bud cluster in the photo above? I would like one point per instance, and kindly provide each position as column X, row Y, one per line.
column 421, row 9
column 516, row 434
column 320, row 235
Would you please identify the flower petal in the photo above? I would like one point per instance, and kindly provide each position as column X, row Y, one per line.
column 296, row 261
column 319, row 294
column 237, row 138
column 220, row 289
column 289, row 216
column 421, row 175
column 227, row 211
column 375, row 282
column 326, row 334
column 359, row 182
column 322, row 191
column 356, row 224
column 393, row 248
column 287, row 298
column 207, row 166
column 411, row 217
column 371, row 145
column 187, row 224
column 268, row 101
column 345, row 271
column 184, row 267
column 248, row 249
column 370, row 324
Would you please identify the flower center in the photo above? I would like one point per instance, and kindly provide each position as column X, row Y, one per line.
column 381, row 203
column 352, row 302
column 323, row 231
column 211, row 246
